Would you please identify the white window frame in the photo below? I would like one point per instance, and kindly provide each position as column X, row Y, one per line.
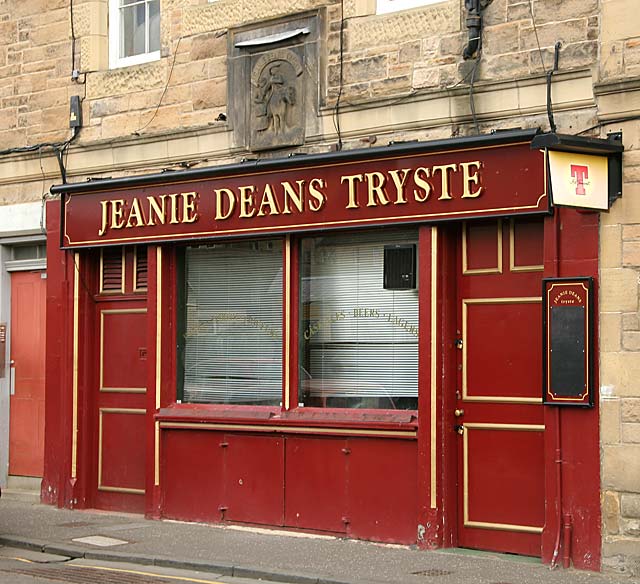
column 115, row 61
column 388, row 6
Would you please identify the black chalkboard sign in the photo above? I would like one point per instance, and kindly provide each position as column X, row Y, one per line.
column 568, row 338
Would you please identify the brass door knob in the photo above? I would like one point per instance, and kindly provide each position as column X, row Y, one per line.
column 458, row 413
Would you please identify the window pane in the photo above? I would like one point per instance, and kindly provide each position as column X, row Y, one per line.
column 132, row 24
column 154, row 25
column 358, row 339
column 233, row 329
column 27, row 252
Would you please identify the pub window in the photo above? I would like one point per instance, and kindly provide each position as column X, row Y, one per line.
column 134, row 32
column 358, row 338
column 231, row 334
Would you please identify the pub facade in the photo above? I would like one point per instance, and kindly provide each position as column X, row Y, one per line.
column 366, row 269
column 348, row 343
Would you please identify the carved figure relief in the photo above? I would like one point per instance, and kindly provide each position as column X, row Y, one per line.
column 277, row 101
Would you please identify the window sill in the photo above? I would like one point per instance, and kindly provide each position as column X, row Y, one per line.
column 392, row 424
column 118, row 63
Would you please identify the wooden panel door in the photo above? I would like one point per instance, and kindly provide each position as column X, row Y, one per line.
column 121, row 401
column 26, row 420
column 499, row 416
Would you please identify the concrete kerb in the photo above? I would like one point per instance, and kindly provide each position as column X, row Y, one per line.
column 73, row 552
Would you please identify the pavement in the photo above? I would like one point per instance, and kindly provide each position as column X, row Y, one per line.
column 271, row 555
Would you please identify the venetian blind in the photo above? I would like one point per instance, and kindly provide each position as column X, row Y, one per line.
column 359, row 340
column 233, row 332
column 112, row 270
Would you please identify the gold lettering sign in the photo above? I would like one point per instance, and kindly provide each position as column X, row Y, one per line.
column 149, row 211
column 375, row 189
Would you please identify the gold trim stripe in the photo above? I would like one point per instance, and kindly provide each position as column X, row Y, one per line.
column 434, row 368
column 279, row 228
column 288, row 429
column 465, row 476
column 503, row 526
column 122, row 490
column 287, row 320
column 158, row 324
column 498, row 426
column 101, row 412
column 123, row 390
column 156, row 457
column 156, row 473
column 74, row 406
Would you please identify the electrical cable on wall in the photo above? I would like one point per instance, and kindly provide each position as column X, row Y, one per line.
column 164, row 91
column 608, row 123
column 549, row 74
column 473, row 49
column 74, row 71
column 336, row 111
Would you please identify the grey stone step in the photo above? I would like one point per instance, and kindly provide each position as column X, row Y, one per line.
column 26, row 489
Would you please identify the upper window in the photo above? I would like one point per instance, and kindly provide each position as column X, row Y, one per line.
column 134, row 32
column 386, row 6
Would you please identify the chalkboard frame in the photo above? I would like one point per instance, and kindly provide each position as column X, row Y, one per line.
column 559, row 294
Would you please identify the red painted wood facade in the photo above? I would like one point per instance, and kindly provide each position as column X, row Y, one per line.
column 384, row 475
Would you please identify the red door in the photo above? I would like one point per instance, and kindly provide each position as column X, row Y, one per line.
column 499, row 416
column 26, row 418
column 121, row 364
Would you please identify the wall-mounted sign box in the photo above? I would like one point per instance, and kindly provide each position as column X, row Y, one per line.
column 579, row 180
column 584, row 172
column 567, row 341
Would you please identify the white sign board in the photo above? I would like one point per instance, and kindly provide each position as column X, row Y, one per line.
column 579, row 180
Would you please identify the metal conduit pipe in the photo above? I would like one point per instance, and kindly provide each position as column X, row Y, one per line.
column 474, row 24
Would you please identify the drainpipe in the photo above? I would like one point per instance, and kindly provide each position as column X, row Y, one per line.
column 558, row 462
column 474, row 24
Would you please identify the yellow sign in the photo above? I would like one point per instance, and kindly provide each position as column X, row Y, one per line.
column 579, row 180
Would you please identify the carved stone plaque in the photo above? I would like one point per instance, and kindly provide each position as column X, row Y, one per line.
column 277, row 101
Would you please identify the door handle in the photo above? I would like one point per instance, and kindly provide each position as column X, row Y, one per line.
column 458, row 413
column 12, row 377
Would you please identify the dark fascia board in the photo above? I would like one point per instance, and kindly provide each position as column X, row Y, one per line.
column 581, row 144
column 299, row 161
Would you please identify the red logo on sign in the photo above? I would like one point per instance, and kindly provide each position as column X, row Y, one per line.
column 580, row 173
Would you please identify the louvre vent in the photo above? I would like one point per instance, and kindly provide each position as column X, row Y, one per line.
column 141, row 272
column 112, row 275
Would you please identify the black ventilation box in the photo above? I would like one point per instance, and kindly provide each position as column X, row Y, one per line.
column 400, row 267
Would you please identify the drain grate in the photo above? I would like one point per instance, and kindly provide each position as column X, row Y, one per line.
column 433, row 572
column 80, row 575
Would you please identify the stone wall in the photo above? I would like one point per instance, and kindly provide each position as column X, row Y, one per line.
column 35, row 72
column 618, row 91
column 409, row 53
